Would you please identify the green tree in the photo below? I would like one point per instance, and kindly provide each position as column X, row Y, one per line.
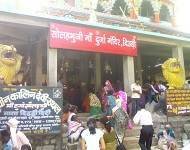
column 116, row 8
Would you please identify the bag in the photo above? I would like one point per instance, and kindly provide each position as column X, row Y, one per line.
column 121, row 147
column 74, row 136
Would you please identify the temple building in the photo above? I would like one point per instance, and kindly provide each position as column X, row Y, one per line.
column 82, row 42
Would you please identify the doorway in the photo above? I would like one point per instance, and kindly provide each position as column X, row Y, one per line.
column 77, row 72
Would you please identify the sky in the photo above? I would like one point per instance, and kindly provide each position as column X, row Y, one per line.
column 183, row 15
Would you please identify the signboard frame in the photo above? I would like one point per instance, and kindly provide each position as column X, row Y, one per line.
column 178, row 99
column 89, row 39
column 38, row 109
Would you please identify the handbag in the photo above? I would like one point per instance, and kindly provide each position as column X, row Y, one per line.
column 120, row 145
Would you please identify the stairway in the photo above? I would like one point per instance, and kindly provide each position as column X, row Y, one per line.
column 130, row 140
column 67, row 146
column 132, row 137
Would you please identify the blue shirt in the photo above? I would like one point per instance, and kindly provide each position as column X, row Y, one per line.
column 8, row 145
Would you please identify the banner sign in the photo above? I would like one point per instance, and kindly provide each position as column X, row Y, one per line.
column 178, row 102
column 93, row 40
column 37, row 109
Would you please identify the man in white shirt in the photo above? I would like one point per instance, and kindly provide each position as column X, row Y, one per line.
column 144, row 118
column 136, row 96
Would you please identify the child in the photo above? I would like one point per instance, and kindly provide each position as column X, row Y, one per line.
column 75, row 127
column 92, row 138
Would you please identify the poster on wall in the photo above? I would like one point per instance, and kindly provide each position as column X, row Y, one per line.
column 83, row 38
column 178, row 102
column 38, row 109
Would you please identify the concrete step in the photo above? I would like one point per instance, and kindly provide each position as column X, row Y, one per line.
column 132, row 142
column 152, row 148
column 72, row 146
column 83, row 115
column 135, row 131
column 83, row 119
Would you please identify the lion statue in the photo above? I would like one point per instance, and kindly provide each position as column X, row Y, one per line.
column 10, row 63
column 173, row 73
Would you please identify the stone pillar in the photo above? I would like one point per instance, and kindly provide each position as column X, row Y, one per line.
column 128, row 72
column 156, row 17
column 38, row 58
column 52, row 67
column 83, row 72
column 177, row 52
column 32, row 54
column 98, row 71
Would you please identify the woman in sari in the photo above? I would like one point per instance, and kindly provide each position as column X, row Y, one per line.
column 109, row 134
column 95, row 105
column 75, row 127
column 111, row 102
column 122, row 95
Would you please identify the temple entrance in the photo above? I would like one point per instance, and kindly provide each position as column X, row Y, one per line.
column 186, row 54
column 112, row 68
column 151, row 59
column 77, row 71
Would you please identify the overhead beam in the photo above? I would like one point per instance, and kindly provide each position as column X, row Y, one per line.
column 23, row 19
column 14, row 33
column 151, row 39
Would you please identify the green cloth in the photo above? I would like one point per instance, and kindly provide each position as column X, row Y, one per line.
column 95, row 111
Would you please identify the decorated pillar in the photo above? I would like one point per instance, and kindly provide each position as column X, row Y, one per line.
column 98, row 71
column 173, row 21
column 134, row 9
column 128, row 72
column 156, row 5
column 172, row 14
column 52, row 67
column 156, row 17
column 177, row 52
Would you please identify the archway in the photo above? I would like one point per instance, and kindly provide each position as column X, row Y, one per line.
column 120, row 7
column 146, row 9
column 164, row 13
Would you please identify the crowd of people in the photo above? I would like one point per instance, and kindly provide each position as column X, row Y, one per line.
column 110, row 112
column 109, row 96
column 166, row 137
column 91, row 136
column 106, row 100
column 116, row 111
